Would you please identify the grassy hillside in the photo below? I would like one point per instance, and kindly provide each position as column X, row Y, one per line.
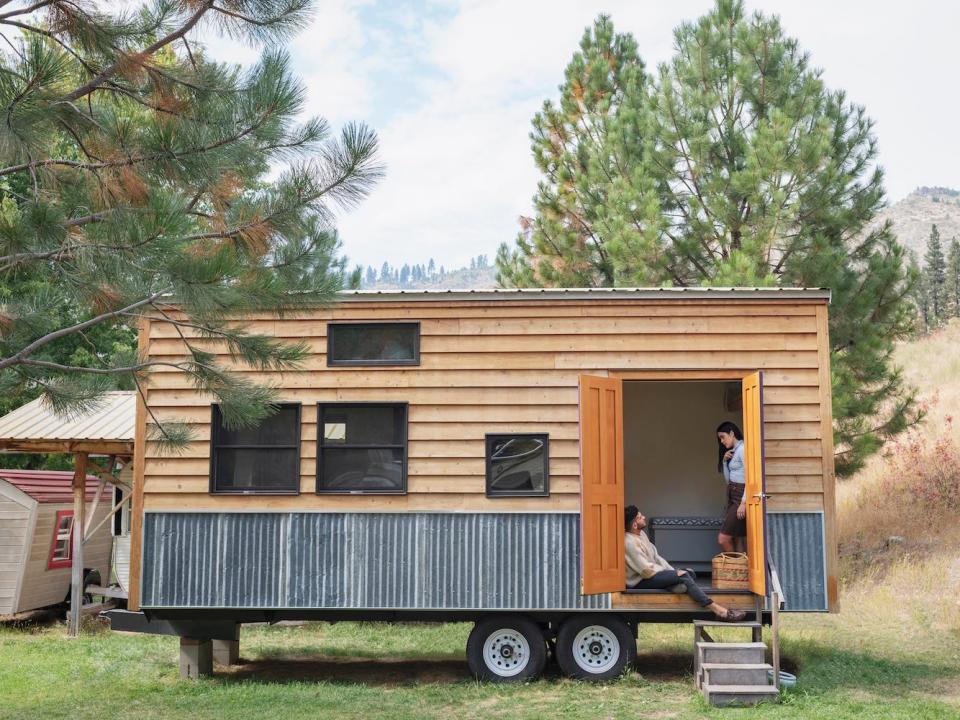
column 899, row 529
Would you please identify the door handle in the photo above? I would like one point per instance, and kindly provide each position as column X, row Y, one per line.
column 762, row 496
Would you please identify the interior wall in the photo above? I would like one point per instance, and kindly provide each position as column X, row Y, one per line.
column 670, row 446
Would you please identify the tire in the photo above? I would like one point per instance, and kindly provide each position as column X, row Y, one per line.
column 595, row 647
column 506, row 648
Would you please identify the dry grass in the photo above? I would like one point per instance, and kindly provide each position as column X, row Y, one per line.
column 899, row 535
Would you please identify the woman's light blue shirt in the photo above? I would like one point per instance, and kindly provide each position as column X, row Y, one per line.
column 733, row 471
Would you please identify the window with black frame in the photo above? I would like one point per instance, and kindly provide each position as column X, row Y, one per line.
column 373, row 343
column 518, row 464
column 261, row 459
column 362, row 448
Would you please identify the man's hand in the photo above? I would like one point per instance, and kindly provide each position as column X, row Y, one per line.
column 681, row 573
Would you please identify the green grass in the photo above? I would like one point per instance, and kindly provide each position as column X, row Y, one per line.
column 355, row 670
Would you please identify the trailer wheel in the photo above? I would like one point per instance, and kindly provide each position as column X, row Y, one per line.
column 595, row 647
column 508, row 648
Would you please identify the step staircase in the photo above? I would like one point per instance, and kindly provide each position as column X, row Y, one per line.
column 732, row 673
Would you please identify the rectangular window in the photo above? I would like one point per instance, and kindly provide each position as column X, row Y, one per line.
column 518, row 465
column 261, row 459
column 373, row 343
column 61, row 550
column 362, row 448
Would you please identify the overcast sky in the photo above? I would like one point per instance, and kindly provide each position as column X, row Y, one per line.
column 451, row 87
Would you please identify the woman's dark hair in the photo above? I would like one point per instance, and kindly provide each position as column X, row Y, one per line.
column 726, row 427
column 630, row 513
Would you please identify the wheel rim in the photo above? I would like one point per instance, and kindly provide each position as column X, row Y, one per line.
column 596, row 649
column 506, row 652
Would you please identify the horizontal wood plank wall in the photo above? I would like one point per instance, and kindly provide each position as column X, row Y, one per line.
column 510, row 366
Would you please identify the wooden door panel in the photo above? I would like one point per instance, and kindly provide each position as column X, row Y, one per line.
column 755, row 486
column 602, row 567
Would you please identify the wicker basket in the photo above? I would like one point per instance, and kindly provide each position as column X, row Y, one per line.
column 731, row 571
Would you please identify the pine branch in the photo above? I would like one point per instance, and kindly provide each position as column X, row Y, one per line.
column 25, row 353
column 202, row 8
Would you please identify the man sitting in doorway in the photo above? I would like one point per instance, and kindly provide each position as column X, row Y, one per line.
column 646, row 570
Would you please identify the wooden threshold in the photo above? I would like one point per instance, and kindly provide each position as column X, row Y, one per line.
column 677, row 601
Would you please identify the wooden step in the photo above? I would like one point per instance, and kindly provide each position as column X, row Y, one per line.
column 722, row 695
column 715, row 674
column 724, row 652
column 722, row 623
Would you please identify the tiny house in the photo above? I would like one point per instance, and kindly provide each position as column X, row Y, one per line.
column 467, row 455
column 36, row 538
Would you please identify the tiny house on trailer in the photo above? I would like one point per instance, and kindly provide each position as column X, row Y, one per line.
column 467, row 455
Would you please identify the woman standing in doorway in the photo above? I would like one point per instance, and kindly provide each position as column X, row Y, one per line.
column 733, row 533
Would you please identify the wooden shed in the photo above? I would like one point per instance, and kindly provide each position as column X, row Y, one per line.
column 36, row 543
column 456, row 454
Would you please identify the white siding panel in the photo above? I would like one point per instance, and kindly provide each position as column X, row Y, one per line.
column 13, row 532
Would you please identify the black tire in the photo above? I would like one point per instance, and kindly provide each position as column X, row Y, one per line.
column 506, row 648
column 595, row 647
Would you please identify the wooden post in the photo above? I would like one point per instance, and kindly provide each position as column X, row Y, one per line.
column 775, row 636
column 76, row 553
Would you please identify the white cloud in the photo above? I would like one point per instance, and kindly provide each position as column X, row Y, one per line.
column 451, row 88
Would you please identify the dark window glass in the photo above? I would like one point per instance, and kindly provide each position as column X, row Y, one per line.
column 518, row 465
column 263, row 459
column 362, row 448
column 373, row 344
column 278, row 429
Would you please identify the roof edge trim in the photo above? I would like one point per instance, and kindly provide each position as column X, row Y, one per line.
column 669, row 293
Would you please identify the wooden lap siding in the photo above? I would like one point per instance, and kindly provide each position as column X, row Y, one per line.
column 511, row 366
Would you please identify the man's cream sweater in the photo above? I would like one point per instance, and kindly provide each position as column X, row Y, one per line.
column 643, row 560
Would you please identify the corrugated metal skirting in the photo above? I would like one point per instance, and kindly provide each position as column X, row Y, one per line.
column 363, row 560
column 796, row 550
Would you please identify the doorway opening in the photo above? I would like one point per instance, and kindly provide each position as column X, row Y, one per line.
column 670, row 464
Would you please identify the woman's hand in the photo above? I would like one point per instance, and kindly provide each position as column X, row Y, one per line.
column 727, row 455
column 742, row 510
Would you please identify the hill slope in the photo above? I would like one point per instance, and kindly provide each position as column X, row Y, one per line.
column 899, row 535
column 913, row 215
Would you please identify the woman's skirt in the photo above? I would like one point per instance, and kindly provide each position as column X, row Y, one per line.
column 732, row 525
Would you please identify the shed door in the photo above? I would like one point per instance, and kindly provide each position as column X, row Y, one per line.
column 601, row 485
column 754, row 491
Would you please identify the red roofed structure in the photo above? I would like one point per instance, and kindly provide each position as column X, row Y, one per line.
column 51, row 486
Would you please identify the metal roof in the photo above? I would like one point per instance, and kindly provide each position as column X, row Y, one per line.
column 637, row 293
column 35, row 427
column 51, row 486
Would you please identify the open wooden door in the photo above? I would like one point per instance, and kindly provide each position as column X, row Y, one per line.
column 602, row 565
column 754, row 491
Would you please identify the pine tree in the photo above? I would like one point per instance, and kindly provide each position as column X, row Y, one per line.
column 736, row 166
column 136, row 172
column 596, row 200
column 935, row 268
column 371, row 278
column 920, row 294
column 404, row 275
column 431, row 268
column 386, row 274
column 952, row 284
